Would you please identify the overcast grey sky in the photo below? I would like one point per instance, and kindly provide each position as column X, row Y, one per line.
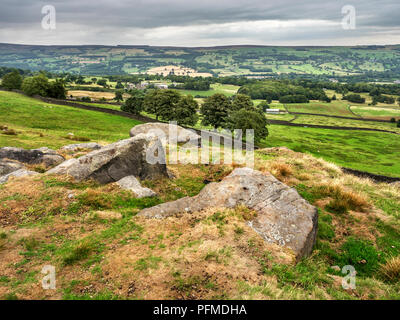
column 200, row 22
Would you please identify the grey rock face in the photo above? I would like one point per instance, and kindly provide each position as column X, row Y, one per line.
column 283, row 216
column 132, row 184
column 118, row 160
column 7, row 166
column 166, row 132
column 17, row 173
column 46, row 156
column 78, row 146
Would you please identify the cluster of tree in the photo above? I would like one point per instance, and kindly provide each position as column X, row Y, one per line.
column 294, row 98
column 12, row 80
column 167, row 105
column 274, row 90
column 239, row 112
column 40, row 85
column 354, row 97
column 35, row 85
column 382, row 99
column 192, row 84
column 217, row 110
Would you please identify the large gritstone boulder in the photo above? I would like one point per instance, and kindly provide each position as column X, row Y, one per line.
column 118, row 160
column 166, row 132
column 283, row 217
column 45, row 156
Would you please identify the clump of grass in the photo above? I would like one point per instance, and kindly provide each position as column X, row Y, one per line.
column 390, row 271
column 29, row 244
column 342, row 200
column 96, row 199
column 281, row 169
column 9, row 132
column 76, row 138
column 79, row 252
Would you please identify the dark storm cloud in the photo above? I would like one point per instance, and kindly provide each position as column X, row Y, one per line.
column 123, row 21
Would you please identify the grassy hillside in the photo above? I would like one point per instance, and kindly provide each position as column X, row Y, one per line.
column 101, row 250
column 367, row 151
column 41, row 124
column 223, row 61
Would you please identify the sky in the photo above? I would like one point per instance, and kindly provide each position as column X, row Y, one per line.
column 201, row 22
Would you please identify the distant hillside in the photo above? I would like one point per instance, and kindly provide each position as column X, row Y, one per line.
column 364, row 62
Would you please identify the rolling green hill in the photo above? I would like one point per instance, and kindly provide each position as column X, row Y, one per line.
column 380, row 62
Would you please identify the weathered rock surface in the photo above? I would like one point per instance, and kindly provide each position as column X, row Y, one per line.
column 118, row 160
column 45, row 156
column 18, row 173
column 283, row 216
column 8, row 166
column 167, row 132
column 79, row 146
column 132, row 184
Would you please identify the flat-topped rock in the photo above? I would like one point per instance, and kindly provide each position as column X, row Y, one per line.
column 166, row 132
column 115, row 161
column 44, row 155
column 283, row 216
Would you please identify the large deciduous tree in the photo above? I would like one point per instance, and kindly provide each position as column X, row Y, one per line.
column 215, row 110
column 12, row 80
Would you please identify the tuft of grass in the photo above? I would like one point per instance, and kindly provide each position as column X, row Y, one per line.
column 390, row 271
column 281, row 169
column 79, row 252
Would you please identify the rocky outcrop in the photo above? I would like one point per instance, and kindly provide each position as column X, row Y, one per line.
column 118, row 160
column 8, row 166
column 167, row 132
column 81, row 146
column 132, row 184
column 18, row 173
column 283, row 217
column 45, row 156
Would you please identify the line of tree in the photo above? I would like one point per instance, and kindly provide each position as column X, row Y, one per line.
column 218, row 110
column 35, row 85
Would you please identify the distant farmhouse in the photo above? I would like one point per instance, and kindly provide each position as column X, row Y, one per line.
column 274, row 111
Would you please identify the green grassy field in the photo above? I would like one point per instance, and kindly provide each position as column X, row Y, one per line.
column 32, row 118
column 226, row 89
column 367, row 151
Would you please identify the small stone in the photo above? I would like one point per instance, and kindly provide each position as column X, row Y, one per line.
column 132, row 184
column 336, row 268
column 19, row 173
